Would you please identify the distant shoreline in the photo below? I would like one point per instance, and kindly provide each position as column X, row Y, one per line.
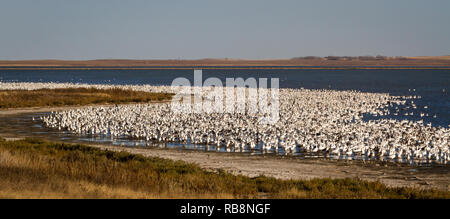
column 229, row 68
column 295, row 63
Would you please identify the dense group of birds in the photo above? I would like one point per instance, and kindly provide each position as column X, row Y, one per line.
column 310, row 121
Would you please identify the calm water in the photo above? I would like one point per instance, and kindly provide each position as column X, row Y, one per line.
column 433, row 85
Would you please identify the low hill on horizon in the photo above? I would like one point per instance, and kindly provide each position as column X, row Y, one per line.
column 437, row 61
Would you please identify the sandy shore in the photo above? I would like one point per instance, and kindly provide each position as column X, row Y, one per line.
column 281, row 167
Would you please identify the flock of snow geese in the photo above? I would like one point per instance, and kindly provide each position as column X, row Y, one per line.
column 310, row 121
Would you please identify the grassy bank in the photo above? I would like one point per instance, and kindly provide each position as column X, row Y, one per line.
column 37, row 169
column 74, row 96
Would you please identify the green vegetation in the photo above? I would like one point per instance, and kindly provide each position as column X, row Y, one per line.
column 75, row 96
column 34, row 168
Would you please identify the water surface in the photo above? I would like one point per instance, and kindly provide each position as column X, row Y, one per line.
column 432, row 85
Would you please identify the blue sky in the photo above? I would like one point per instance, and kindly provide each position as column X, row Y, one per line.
column 254, row 29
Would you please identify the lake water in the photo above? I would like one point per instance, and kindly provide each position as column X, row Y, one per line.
column 432, row 85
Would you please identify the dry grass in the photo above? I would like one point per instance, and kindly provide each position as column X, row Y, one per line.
column 74, row 96
column 37, row 169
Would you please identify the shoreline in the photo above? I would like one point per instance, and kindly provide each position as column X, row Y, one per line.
column 304, row 62
column 233, row 68
column 290, row 168
column 281, row 167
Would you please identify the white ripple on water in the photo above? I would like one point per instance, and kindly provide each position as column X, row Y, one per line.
column 310, row 121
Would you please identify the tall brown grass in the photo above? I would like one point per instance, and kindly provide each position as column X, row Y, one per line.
column 38, row 169
column 75, row 96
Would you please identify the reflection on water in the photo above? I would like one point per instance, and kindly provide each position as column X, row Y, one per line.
column 24, row 126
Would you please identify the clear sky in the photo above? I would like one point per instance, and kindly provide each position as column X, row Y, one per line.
column 254, row 29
